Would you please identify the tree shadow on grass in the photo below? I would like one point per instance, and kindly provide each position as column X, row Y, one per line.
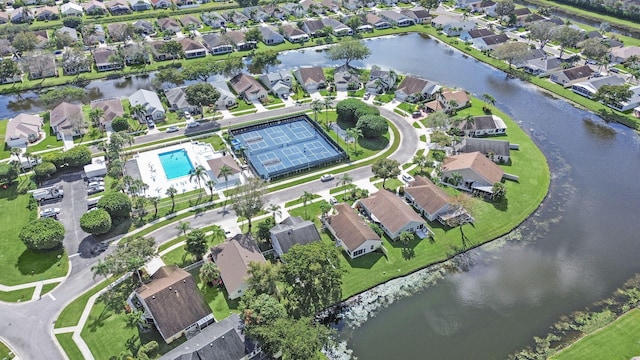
column 10, row 193
column 501, row 205
column 365, row 261
column 34, row 262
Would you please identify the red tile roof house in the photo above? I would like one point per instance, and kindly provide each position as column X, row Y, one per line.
column 67, row 120
column 434, row 203
column 477, row 171
column 311, row 78
column 23, row 129
column 248, row 87
column 174, row 303
column 352, row 232
column 233, row 176
column 393, row 215
column 232, row 258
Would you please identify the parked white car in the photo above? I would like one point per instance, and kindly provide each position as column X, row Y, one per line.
column 50, row 212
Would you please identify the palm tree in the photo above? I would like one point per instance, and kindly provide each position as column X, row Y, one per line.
column 306, row 197
column 171, row 192
column 421, row 160
column 355, row 134
column 328, row 104
column 488, row 98
column 16, row 152
column 210, row 185
column 316, row 106
column 345, row 180
column 325, row 207
column 225, row 172
column 95, row 115
column 137, row 110
column 217, row 233
column 275, row 211
column 453, row 105
column 155, row 200
column 209, row 273
column 183, row 226
column 199, row 174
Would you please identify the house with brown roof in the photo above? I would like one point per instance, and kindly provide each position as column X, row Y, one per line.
column 94, row 7
column 434, row 203
column 621, row 54
column 392, row 214
column 174, row 303
column 67, row 120
column 40, row 66
column 313, row 27
column 293, row 34
column 482, row 126
column 477, row 171
column 118, row 7
column 413, row 89
column 248, row 87
column 46, row 13
column 232, row 258
column 102, row 55
column 169, row 24
column 192, row 49
column 449, row 100
column 568, row 77
column 238, row 39
column 158, row 51
column 346, row 78
column 352, row 231
column 376, row 21
column 217, row 43
column 22, row 130
column 310, row 78
column 190, row 22
column 111, row 107
column 292, row 231
column 224, row 171
column 4, row 17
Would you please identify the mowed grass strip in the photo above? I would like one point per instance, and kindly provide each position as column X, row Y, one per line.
column 69, row 346
column 618, row 340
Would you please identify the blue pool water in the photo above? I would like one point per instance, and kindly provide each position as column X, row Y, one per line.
column 176, row 163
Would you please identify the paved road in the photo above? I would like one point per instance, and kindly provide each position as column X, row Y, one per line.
column 27, row 327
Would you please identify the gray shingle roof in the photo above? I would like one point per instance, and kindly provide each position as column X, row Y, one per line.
column 293, row 230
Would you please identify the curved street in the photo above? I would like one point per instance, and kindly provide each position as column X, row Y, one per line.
column 27, row 327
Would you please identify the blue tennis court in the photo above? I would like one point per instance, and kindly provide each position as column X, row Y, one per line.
column 286, row 146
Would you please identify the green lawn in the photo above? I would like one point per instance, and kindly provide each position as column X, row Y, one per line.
column 69, row 346
column 179, row 256
column 618, row 340
column 19, row 265
column 216, row 297
column 5, row 353
column 70, row 315
column 17, row 295
column 48, row 287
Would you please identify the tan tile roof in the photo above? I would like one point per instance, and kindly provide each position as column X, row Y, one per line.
column 22, row 126
column 411, row 85
column 112, row 108
column 311, row 74
column 460, row 96
column 216, row 165
column 174, row 300
column 233, row 258
column 190, row 44
column 243, row 83
column 428, row 195
column 350, row 227
column 61, row 114
column 477, row 162
column 390, row 210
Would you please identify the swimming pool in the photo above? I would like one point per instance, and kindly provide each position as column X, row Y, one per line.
column 176, row 163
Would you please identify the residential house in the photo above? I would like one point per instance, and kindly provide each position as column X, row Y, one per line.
column 255, row 13
column 118, row 31
column 21, row 15
column 158, row 51
column 177, row 100
column 619, row 55
column 413, row 89
column 466, row 4
column 530, row 55
column 482, row 126
column 448, row 101
column 543, row 67
column 313, row 6
column 161, row 4
column 396, row 18
column 190, row 22
column 633, row 101
column 4, row 17
column 278, row 82
column 42, row 38
column 338, row 28
column 434, row 203
column 310, row 78
column 352, row 5
column 419, row 16
column 224, row 171
column 636, row 111
column 477, row 171
column 498, row 151
column 71, row 9
column 239, row 40
column 293, row 34
column 170, row 25
column 248, row 87
column 526, row 20
column 94, row 7
column 111, row 109
column 9, row 50
column 455, row 29
column 227, row 99
column 440, row 21
column 224, row 339
column 67, row 120
column 485, row 6
column 235, row 17
column 118, row 7
column 233, row 258
column 135, row 54
column 217, row 43
column 96, row 36
column 295, row 9
column 174, row 303
column 313, row 27
column 589, row 88
column 45, row 13
column 102, row 57
column 380, row 81
column 153, row 109
column 351, row 231
column 22, row 130
column 144, row 26
column 192, row 49
column 292, row 231
column 71, row 32
column 270, row 36
column 75, row 62
column 141, row 5
column 40, row 66
column 490, row 42
column 475, row 34
column 213, row 19
column 346, row 78
column 392, row 214
column 330, row 5
column 568, row 77
column 276, row 12
column 376, row 21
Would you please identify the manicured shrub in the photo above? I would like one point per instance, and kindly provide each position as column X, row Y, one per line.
column 117, row 204
column 120, row 124
column 42, row 234
column 96, row 222
column 8, row 173
column 77, row 156
column 44, row 170
column 372, row 126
